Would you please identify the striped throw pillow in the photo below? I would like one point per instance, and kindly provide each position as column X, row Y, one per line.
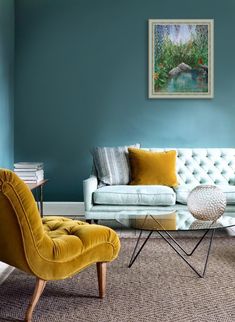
column 112, row 164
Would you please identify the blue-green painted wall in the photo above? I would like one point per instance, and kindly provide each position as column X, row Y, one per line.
column 6, row 82
column 81, row 81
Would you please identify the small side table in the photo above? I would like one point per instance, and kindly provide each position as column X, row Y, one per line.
column 39, row 198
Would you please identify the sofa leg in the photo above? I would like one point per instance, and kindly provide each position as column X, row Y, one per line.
column 89, row 221
column 101, row 273
column 39, row 287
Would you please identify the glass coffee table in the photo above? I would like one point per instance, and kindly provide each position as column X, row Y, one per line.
column 165, row 222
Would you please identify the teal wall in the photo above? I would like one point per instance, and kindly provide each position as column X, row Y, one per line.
column 81, row 81
column 6, row 82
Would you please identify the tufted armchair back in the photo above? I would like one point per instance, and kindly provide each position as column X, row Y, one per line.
column 21, row 229
column 204, row 166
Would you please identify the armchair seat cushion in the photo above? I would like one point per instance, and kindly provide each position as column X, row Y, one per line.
column 183, row 191
column 78, row 242
column 135, row 195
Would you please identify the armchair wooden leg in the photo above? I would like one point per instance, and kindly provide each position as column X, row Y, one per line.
column 101, row 273
column 39, row 287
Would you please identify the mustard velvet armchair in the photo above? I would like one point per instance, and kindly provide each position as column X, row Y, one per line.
column 52, row 248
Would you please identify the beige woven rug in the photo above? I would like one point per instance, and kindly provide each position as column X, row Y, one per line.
column 158, row 288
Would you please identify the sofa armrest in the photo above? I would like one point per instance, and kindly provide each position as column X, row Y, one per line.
column 89, row 186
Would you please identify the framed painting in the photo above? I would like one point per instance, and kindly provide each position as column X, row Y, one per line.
column 181, row 58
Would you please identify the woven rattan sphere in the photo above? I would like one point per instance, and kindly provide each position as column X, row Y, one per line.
column 206, row 202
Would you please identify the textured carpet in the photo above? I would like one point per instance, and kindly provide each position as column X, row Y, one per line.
column 158, row 287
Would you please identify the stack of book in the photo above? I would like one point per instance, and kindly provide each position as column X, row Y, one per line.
column 29, row 172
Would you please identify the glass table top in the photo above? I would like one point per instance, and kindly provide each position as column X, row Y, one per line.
column 178, row 220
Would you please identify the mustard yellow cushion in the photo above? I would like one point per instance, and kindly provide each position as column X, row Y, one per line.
column 153, row 168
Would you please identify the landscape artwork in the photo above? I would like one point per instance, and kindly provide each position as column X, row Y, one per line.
column 181, row 58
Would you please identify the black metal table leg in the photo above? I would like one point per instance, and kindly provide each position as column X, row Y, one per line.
column 184, row 259
column 208, row 252
column 134, row 254
column 171, row 244
column 175, row 241
column 136, row 245
column 195, row 247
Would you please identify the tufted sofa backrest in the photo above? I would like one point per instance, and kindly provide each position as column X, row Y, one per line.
column 204, row 166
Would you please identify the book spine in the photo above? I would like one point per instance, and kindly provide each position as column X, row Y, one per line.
column 28, row 165
column 28, row 168
column 32, row 178
column 29, row 173
column 31, row 181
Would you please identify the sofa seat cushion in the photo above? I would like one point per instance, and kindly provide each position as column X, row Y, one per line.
column 183, row 191
column 135, row 195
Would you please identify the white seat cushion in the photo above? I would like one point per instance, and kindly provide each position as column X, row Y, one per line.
column 135, row 195
column 183, row 191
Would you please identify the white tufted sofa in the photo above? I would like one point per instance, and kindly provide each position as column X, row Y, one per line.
column 194, row 167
